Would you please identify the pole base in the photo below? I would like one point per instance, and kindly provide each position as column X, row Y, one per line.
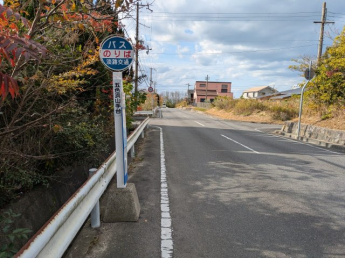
column 121, row 204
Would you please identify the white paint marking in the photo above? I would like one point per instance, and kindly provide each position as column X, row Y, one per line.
column 166, row 229
column 240, row 144
column 198, row 123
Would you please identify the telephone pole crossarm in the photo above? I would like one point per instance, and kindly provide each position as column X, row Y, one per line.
column 322, row 29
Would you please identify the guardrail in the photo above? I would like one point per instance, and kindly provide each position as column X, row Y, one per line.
column 55, row 236
column 147, row 112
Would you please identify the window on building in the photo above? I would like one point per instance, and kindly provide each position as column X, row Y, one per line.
column 202, row 85
column 211, row 100
column 202, row 100
column 224, row 88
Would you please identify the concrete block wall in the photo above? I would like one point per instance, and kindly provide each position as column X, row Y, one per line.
column 316, row 132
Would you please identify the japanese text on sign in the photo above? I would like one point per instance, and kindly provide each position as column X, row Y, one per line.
column 117, row 98
column 106, row 53
column 116, row 53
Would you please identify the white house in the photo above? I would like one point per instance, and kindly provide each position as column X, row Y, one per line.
column 257, row 92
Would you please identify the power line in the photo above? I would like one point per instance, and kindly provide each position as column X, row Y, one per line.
column 210, row 13
column 223, row 19
column 226, row 41
column 235, row 52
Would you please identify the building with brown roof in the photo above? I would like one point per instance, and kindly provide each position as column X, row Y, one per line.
column 258, row 92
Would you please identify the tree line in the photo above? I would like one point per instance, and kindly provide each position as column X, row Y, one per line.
column 55, row 95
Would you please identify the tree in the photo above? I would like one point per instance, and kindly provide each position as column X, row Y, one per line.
column 16, row 49
column 328, row 87
column 58, row 114
column 172, row 98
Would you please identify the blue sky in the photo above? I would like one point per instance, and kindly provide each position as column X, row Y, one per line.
column 249, row 43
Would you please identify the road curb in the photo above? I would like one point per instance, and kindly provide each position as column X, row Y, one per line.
column 328, row 145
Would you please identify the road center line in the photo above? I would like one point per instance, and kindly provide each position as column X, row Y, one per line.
column 240, row 144
column 166, row 229
column 198, row 123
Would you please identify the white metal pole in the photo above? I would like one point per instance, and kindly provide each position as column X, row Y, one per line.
column 301, row 103
column 120, row 130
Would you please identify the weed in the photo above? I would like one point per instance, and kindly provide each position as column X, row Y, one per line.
column 283, row 113
column 247, row 107
column 200, row 109
column 6, row 220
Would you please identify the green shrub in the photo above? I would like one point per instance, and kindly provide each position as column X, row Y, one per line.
column 224, row 102
column 9, row 248
column 283, row 113
column 73, row 137
column 247, row 107
column 183, row 103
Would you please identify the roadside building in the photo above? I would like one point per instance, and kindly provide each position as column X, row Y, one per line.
column 283, row 94
column 208, row 91
column 257, row 92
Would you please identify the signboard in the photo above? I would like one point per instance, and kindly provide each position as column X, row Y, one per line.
column 116, row 53
column 150, row 89
column 309, row 74
column 120, row 130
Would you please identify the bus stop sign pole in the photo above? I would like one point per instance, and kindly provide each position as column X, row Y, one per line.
column 117, row 54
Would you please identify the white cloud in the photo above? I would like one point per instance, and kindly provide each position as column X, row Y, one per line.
column 247, row 42
column 180, row 50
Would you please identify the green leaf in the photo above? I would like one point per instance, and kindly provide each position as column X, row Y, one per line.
column 11, row 237
column 6, row 228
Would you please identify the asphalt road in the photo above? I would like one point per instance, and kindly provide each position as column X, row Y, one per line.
column 236, row 190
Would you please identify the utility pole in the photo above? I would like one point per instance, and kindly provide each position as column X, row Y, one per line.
column 150, row 76
column 152, row 95
column 323, row 22
column 136, row 52
column 151, row 82
column 188, row 93
column 207, row 78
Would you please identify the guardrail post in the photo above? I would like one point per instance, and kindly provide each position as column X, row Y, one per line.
column 133, row 151
column 143, row 133
column 95, row 214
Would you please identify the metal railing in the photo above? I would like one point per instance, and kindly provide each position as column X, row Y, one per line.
column 55, row 236
column 147, row 112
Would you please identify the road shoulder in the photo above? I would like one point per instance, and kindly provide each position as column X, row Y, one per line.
column 130, row 239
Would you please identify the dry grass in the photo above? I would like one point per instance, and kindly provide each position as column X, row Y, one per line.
column 337, row 123
column 256, row 117
column 276, row 112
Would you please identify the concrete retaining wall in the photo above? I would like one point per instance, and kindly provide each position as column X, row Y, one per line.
column 315, row 132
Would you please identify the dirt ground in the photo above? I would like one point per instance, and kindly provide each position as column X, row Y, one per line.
column 337, row 123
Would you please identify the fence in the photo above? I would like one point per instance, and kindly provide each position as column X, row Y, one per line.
column 202, row 105
column 55, row 236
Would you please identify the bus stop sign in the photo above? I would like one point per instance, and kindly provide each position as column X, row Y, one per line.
column 116, row 53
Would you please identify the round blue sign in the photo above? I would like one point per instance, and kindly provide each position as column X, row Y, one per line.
column 116, row 53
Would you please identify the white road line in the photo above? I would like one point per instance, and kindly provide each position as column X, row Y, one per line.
column 166, row 229
column 240, row 144
column 298, row 142
column 198, row 123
